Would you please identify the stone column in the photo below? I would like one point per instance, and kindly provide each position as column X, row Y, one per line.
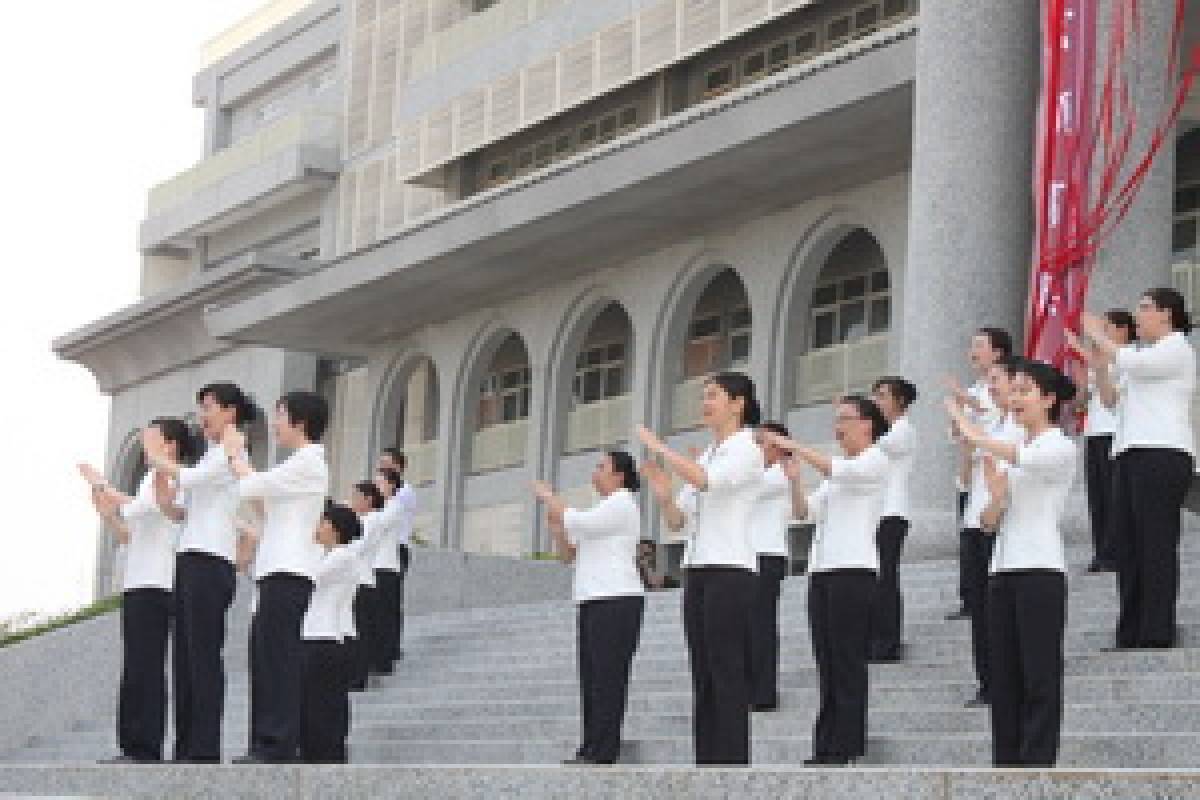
column 970, row 218
column 1138, row 254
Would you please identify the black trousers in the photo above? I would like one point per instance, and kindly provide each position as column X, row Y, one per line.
column 204, row 587
column 276, row 680
column 325, row 703
column 387, row 621
column 1150, row 487
column 839, row 609
column 142, row 698
column 962, row 549
column 1098, row 471
column 716, row 607
column 978, row 558
column 887, row 606
column 1027, row 618
column 607, row 637
column 405, row 557
column 764, row 631
column 364, row 626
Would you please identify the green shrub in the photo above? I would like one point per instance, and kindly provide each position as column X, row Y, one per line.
column 104, row 606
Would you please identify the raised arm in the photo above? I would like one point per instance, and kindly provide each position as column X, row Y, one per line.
column 973, row 434
column 660, row 486
column 819, row 461
column 799, row 492
column 686, row 468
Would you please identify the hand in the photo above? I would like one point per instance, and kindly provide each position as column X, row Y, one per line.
column 1093, row 326
column 1078, row 345
column 657, row 479
column 955, row 389
column 995, row 479
column 233, row 441
column 792, row 469
column 649, row 439
column 153, row 443
column 92, row 476
column 543, row 491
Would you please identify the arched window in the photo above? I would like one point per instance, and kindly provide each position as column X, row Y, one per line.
column 718, row 338
column 503, row 402
column 598, row 412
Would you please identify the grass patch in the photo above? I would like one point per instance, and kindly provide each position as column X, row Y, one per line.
column 105, row 606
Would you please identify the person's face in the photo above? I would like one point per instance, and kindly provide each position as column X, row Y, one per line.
column 718, row 409
column 215, row 418
column 287, row 433
column 980, row 353
column 999, row 385
column 771, row 453
column 1029, row 406
column 383, row 485
column 887, row 402
column 851, row 430
column 605, row 479
column 359, row 502
column 1152, row 322
column 326, row 533
column 387, row 462
column 1116, row 333
column 170, row 445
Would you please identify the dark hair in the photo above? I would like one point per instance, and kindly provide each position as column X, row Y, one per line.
column 177, row 431
column 1009, row 364
column 393, row 477
column 736, row 385
column 1124, row 320
column 1171, row 301
column 228, row 395
column 999, row 338
column 371, row 492
column 397, row 455
column 775, row 427
column 308, row 410
column 623, row 463
column 900, row 388
column 867, row 409
column 1049, row 381
column 344, row 521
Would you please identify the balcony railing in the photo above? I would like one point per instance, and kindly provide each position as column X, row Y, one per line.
column 829, row 372
column 248, row 29
column 474, row 31
column 304, row 127
column 595, row 425
column 498, row 446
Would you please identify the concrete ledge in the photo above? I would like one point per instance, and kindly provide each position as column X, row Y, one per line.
column 446, row 580
column 631, row 783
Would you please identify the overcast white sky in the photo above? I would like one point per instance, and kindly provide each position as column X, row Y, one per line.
column 97, row 108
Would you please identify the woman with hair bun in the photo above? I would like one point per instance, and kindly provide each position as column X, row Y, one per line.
column 602, row 541
column 1027, row 587
column 720, row 491
column 149, row 539
column 204, row 570
column 1154, row 451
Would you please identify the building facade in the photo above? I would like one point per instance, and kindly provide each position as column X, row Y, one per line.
column 502, row 233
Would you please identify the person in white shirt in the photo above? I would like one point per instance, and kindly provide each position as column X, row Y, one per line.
column 1027, row 590
column 367, row 501
column 1099, row 402
column 1154, row 449
column 602, row 542
column 204, row 571
column 769, row 532
column 719, row 587
column 894, row 396
column 843, row 567
column 327, row 669
column 988, row 345
column 388, row 574
column 148, row 539
column 978, row 554
column 401, row 509
column 292, row 494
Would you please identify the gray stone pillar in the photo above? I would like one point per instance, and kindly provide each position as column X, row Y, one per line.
column 970, row 218
column 1138, row 254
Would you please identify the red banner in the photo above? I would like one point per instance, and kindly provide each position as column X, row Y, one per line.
column 1080, row 200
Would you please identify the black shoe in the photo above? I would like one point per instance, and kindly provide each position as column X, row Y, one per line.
column 1094, row 566
column 961, row 613
column 584, row 761
column 980, row 700
column 764, row 707
column 828, row 761
column 882, row 656
column 251, row 758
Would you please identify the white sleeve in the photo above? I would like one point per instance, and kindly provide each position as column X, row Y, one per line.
column 816, row 504
column 606, row 518
column 737, row 465
column 1047, row 458
column 207, row 472
column 897, row 442
column 869, row 467
column 143, row 503
column 293, row 476
column 1163, row 360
